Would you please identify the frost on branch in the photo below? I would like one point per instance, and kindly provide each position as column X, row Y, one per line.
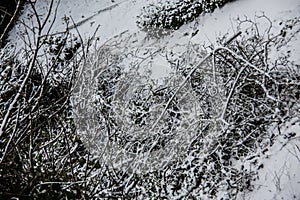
column 123, row 105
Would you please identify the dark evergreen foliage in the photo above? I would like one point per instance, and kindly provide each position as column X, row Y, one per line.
column 161, row 18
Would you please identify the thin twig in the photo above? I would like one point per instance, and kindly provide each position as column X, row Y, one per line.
column 12, row 19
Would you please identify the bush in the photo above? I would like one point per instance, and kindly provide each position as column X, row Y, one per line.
column 244, row 88
column 41, row 155
column 162, row 17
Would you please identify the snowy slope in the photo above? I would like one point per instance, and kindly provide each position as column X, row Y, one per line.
column 120, row 16
column 280, row 176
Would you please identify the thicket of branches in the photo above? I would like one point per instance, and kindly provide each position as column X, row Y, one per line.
column 183, row 137
column 41, row 156
column 80, row 123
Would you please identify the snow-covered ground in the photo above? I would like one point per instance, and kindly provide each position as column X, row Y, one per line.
column 280, row 176
column 116, row 17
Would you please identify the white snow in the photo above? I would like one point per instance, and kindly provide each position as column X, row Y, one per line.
column 280, row 178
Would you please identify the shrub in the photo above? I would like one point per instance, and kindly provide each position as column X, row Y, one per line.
column 162, row 17
column 41, row 156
